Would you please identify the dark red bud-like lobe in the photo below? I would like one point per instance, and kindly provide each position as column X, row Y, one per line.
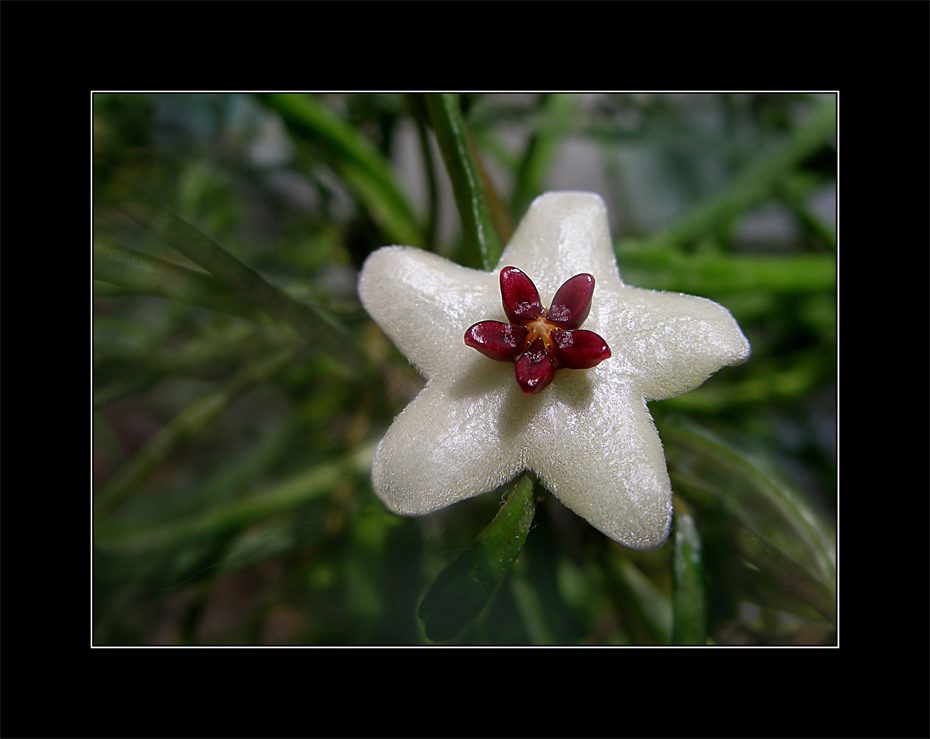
column 579, row 349
column 535, row 369
column 572, row 303
column 496, row 340
column 520, row 296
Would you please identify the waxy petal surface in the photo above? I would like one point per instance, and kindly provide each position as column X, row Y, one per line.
column 572, row 302
column 613, row 473
column 589, row 436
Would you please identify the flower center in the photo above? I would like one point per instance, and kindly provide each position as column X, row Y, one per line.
column 539, row 329
column 540, row 341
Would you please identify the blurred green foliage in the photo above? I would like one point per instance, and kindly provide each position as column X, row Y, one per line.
column 240, row 389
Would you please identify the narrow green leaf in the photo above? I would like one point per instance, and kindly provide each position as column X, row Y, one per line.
column 530, row 607
column 643, row 598
column 555, row 116
column 710, row 274
column 481, row 239
column 462, row 590
column 354, row 159
column 199, row 248
column 417, row 106
column 689, row 624
column 144, row 274
column 705, row 467
column 788, row 574
column 755, row 586
column 759, row 181
column 230, row 516
column 185, row 425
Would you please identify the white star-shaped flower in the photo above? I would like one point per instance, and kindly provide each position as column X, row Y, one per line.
column 588, row 435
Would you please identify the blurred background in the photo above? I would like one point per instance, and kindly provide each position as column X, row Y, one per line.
column 240, row 389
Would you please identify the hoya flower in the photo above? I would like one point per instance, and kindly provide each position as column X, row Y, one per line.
column 586, row 432
column 537, row 340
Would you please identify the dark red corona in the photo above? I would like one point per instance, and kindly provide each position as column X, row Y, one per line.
column 540, row 341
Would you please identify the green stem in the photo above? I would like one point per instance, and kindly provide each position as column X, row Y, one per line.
column 478, row 231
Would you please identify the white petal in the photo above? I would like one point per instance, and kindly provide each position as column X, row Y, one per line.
column 425, row 303
column 671, row 342
column 598, row 452
column 589, row 436
column 562, row 234
column 449, row 446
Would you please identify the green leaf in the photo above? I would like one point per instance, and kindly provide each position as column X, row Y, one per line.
column 231, row 516
column 758, row 182
column 462, row 590
column 689, row 622
column 199, row 248
column 185, row 425
column 354, row 159
column 556, row 112
column 711, row 274
column 144, row 274
column 643, row 600
column 787, row 573
column 468, row 182
column 707, row 469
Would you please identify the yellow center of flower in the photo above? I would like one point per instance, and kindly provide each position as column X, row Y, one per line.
column 539, row 329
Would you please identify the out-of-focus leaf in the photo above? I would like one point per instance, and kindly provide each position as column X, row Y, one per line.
column 757, row 587
column 199, row 248
column 757, row 182
column 462, row 590
column 709, row 274
column 649, row 603
column 554, row 116
column 185, row 425
column 707, row 468
column 689, row 625
column 141, row 273
column 788, row 574
column 228, row 517
column 354, row 159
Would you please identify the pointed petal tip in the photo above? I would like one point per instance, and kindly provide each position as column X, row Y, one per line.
column 566, row 198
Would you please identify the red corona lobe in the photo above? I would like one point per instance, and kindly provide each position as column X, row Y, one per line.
column 535, row 369
column 580, row 349
column 496, row 340
column 572, row 303
column 538, row 341
column 520, row 296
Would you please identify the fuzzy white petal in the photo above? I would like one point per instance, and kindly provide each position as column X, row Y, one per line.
column 589, row 435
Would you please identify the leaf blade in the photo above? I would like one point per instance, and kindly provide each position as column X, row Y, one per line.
column 462, row 590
